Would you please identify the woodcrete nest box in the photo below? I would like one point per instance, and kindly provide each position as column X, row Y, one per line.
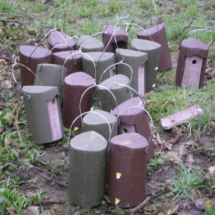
column 121, row 93
column 102, row 61
column 118, row 40
column 31, row 56
column 43, row 113
column 90, row 44
column 51, row 75
column 59, row 41
column 153, row 50
column 136, row 60
column 87, row 169
column 191, row 63
column 157, row 33
column 73, row 63
column 135, row 120
column 74, row 86
column 127, row 170
column 95, row 122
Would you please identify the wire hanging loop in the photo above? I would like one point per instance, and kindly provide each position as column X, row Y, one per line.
column 133, row 24
column 14, row 78
column 64, row 63
column 110, row 133
column 121, row 62
column 95, row 85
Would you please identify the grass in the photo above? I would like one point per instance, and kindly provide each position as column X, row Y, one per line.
column 85, row 17
column 187, row 179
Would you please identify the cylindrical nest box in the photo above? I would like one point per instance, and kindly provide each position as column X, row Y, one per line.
column 95, row 122
column 135, row 120
column 31, row 56
column 102, row 61
column 43, row 113
column 121, row 93
column 90, row 44
column 127, row 170
column 191, row 63
column 87, row 169
column 73, row 63
column 59, row 41
column 74, row 86
column 118, row 40
column 51, row 75
column 153, row 50
column 136, row 60
column 157, row 33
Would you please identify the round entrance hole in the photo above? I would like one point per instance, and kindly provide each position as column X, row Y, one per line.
column 194, row 61
column 125, row 130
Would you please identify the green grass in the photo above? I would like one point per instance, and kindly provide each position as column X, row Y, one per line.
column 187, row 179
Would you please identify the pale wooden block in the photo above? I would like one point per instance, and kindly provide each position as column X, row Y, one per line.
column 181, row 117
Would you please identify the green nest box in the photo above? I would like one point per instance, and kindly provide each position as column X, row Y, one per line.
column 102, row 61
column 136, row 60
column 95, row 122
column 153, row 50
column 43, row 113
column 51, row 75
column 121, row 93
column 90, row 44
column 87, row 169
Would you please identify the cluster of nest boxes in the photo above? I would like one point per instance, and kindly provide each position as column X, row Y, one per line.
column 116, row 142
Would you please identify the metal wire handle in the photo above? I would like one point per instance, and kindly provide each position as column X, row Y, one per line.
column 14, row 78
column 121, row 62
column 95, row 85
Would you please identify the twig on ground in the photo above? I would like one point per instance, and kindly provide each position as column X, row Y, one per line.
column 48, row 203
column 146, row 201
column 185, row 28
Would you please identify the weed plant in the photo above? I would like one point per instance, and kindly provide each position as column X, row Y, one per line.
column 187, row 179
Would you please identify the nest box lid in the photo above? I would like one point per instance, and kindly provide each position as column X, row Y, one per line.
column 109, row 29
column 144, row 45
column 111, row 83
column 34, row 51
column 64, row 54
column 79, row 79
column 56, row 38
column 96, row 56
column 41, row 93
column 128, row 53
column 127, row 105
column 89, row 42
column 130, row 140
column 192, row 43
column 153, row 30
column 88, row 141
column 95, row 119
column 50, row 67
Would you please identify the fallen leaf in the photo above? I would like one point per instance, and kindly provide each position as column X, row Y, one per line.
column 194, row 194
column 172, row 210
column 158, row 138
column 8, row 84
column 176, row 135
column 212, row 169
column 190, row 158
column 172, row 156
column 168, row 146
